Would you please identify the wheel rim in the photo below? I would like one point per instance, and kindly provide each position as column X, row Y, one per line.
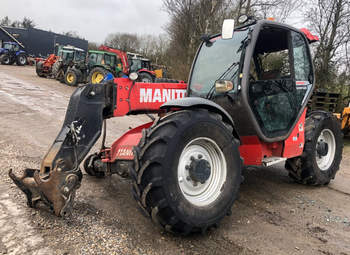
column 7, row 61
column 325, row 161
column 70, row 78
column 97, row 77
column 197, row 193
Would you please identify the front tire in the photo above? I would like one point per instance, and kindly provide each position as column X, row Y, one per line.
column 5, row 59
column 97, row 75
column 39, row 69
column 187, row 171
column 145, row 77
column 323, row 150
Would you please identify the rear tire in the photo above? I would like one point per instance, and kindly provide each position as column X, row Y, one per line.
column 71, row 78
column 323, row 149
column 39, row 69
column 97, row 75
column 145, row 77
column 21, row 60
column 57, row 71
column 187, row 142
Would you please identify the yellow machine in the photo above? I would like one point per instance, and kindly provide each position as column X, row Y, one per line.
column 345, row 117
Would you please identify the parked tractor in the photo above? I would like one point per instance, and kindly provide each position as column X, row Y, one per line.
column 68, row 56
column 56, row 65
column 99, row 64
column 43, row 67
column 11, row 53
column 133, row 62
column 186, row 165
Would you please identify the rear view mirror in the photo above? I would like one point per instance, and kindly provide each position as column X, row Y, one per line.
column 222, row 86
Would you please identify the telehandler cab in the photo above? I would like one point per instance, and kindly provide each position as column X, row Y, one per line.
column 239, row 108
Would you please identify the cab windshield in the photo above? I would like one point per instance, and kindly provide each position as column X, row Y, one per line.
column 8, row 46
column 217, row 59
column 80, row 55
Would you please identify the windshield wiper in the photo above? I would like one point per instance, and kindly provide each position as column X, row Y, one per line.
column 211, row 91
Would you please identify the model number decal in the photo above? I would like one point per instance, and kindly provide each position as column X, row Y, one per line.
column 123, row 152
column 150, row 95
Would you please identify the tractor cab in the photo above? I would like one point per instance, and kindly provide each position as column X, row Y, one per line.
column 103, row 58
column 70, row 54
column 261, row 74
column 11, row 46
column 138, row 62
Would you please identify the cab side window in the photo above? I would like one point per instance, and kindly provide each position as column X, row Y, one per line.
column 302, row 65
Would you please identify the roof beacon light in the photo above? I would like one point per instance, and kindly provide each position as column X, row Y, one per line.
column 227, row 28
column 271, row 18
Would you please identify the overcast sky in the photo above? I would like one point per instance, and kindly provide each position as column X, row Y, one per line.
column 93, row 20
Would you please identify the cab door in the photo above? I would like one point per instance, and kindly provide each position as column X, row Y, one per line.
column 281, row 76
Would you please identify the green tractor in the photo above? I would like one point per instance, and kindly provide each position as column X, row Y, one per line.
column 69, row 56
column 99, row 64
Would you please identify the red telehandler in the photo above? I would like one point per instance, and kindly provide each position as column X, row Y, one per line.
column 186, row 165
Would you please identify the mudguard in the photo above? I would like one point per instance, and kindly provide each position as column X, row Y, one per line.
column 189, row 102
column 20, row 52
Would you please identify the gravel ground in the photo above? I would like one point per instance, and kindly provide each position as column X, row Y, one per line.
column 272, row 215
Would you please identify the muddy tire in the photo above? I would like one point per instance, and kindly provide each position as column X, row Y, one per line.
column 21, row 59
column 97, row 75
column 145, row 77
column 71, row 78
column 57, row 71
column 39, row 69
column 323, row 149
column 91, row 164
column 187, row 171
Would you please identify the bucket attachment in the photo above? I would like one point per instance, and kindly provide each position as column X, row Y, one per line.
column 59, row 176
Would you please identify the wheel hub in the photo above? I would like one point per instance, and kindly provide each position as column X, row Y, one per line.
column 325, row 149
column 199, row 169
column 322, row 148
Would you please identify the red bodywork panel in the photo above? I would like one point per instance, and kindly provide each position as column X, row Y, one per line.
column 145, row 97
column 147, row 71
column 253, row 150
column 294, row 144
column 310, row 37
column 121, row 149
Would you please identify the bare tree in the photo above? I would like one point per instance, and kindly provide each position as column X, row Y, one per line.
column 27, row 23
column 190, row 19
column 5, row 21
column 123, row 41
column 330, row 20
column 73, row 34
